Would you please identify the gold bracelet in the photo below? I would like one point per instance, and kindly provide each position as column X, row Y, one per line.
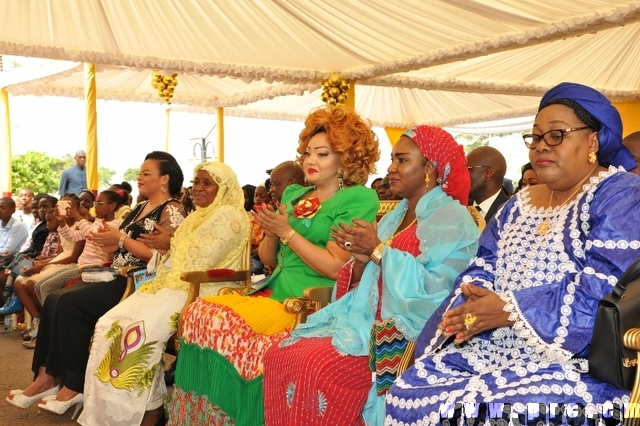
column 286, row 239
column 376, row 255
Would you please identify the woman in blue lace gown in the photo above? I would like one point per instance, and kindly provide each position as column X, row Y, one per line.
column 518, row 326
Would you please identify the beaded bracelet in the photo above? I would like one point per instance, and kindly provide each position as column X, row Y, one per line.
column 286, row 239
column 121, row 241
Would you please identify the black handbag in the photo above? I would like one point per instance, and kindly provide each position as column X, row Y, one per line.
column 609, row 360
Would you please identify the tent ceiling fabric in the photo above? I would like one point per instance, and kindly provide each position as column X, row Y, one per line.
column 429, row 61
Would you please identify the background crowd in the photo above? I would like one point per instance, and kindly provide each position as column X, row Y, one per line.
column 421, row 276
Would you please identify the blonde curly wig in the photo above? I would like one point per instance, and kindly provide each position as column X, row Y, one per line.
column 349, row 136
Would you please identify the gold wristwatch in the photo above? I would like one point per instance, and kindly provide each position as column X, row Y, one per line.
column 376, row 255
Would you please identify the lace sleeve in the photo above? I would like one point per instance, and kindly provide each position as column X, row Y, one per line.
column 172, row 215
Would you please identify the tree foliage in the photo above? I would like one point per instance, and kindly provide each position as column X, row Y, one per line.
column 472, row 141
column 37, row 171
column 131, row 174
column 41, row 173
column 104, row 177
column 68, row 161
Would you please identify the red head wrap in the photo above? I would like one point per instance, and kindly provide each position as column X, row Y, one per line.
column 447, row 156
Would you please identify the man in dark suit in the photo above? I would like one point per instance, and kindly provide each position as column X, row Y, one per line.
column 487, row 168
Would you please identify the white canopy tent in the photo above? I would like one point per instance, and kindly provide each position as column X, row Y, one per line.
column 416, row 61
column 441, row 62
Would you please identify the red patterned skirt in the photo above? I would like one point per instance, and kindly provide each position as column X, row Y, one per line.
column 311, row 383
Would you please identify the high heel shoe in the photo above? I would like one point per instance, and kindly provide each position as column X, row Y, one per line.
column 31, row 333
column 61, row 407
column 21, row 401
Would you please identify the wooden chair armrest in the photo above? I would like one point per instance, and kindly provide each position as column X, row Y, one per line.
column 321, row 295
column 477, row 218
column 314, row 299
column 210, row 277
column 204, row 277
column 631, row 340
column 81, row 269
column 124, row 271
column 196, row 278
column 127, row 271
column 194, row 291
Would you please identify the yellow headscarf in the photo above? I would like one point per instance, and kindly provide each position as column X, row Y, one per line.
column 229, row 193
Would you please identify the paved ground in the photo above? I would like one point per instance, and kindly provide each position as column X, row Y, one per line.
column 15, row 373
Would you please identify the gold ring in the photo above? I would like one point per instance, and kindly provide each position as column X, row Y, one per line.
column 468, row 321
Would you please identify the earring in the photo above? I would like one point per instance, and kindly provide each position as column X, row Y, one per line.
column 163, row 189
column 427, row 180
column 340, row 181
column 592, row 157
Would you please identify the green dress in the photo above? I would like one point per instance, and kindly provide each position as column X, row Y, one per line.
column 292, row 275
column 219, row 370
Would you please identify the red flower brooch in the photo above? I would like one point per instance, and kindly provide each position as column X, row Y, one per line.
column 306, row 209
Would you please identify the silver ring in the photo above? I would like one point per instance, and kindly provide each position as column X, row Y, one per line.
column 347, row 243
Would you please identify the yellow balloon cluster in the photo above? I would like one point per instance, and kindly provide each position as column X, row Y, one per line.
column 334, row 90
column 165, row 85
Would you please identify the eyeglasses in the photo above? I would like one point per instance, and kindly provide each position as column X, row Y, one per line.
column 470, row 168
column 556, row 136
column 206, row 184
column 99, row 203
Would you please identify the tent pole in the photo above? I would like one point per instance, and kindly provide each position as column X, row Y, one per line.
column 394, row 133
column 630, row 114
column 5, row 139
column 92, row 126
column 220, row 114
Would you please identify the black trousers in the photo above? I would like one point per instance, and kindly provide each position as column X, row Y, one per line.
column 67, row 321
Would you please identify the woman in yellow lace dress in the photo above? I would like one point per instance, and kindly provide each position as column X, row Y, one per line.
column 124, row 377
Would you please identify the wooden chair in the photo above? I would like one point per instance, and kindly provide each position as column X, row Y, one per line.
column 196, row 278
column 477, row 218
column 124, row 271
column 315, row 298
column 631, row 340
column 242, row 275
column 385, row 207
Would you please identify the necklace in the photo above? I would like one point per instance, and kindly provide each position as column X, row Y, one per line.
column 390, row 239
column 545, row 226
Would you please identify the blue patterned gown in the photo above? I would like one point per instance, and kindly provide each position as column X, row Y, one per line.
column 551, row 285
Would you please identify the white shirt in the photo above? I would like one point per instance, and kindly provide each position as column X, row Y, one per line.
column 27, row 219
column 486, row 204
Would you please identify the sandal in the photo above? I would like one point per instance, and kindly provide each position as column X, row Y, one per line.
column 31, row 344
column 31, row 333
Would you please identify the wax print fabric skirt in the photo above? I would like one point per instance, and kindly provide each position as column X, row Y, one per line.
column 219, row 370
column 125, row 372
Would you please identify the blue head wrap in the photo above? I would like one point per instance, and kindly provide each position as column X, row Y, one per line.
column 611, row 150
